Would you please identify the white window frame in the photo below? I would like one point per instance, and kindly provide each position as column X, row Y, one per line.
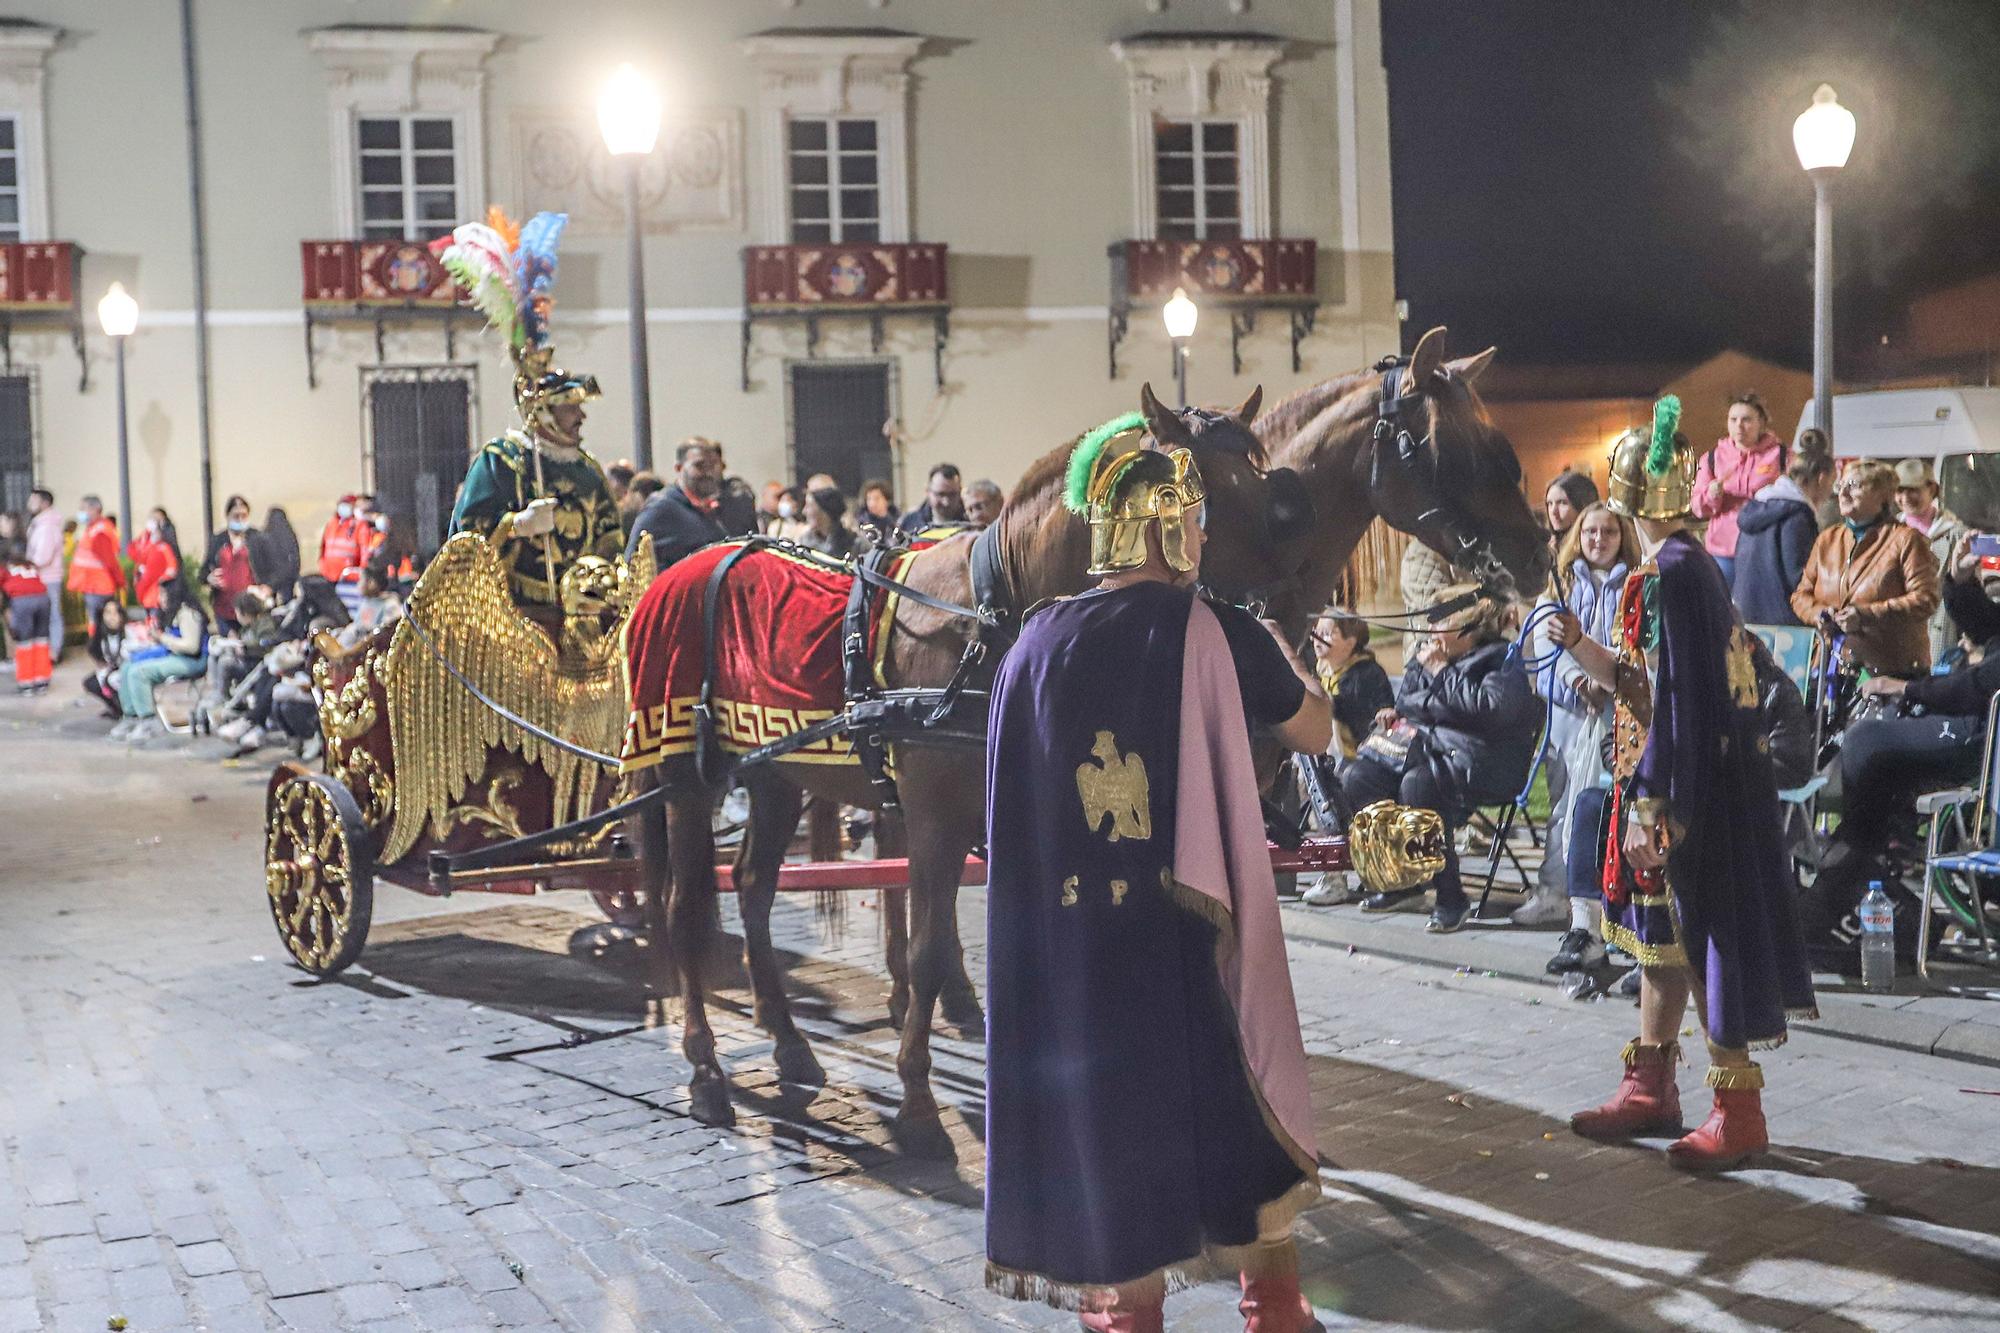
column 1200, row 156
column 850, row 76
column 24, row 52
column 1202, row 79
column 407, row 154
column 836, row 221
column 385, row 73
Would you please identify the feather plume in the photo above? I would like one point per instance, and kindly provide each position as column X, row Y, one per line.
column 1666, row 424
column 1083, row 459
column 535, row 274
column 476, row 257
column 508, row 230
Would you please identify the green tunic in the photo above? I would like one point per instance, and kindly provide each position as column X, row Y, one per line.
column 501, row 481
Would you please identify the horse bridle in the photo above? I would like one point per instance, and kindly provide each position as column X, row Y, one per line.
column 1288, row 516
column 1418, row 461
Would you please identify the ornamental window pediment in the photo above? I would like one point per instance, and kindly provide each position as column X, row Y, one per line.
column 1201, row 135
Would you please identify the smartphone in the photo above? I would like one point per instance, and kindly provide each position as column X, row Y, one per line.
column 1985, row 544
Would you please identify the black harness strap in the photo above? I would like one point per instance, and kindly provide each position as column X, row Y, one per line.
column 705, row 747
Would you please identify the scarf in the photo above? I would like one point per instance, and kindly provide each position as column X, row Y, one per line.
column 1923, row 523
column 1861, row 530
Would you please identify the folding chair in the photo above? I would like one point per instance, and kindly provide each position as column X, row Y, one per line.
column 1500, row 825
column 1978, row 859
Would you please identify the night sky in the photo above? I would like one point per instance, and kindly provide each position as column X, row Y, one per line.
column 1590, row 183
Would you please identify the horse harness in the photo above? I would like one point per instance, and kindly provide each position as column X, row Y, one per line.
column 872, row 716
column 1420, row 464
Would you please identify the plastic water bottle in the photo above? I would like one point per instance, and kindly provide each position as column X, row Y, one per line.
column 1878, row 939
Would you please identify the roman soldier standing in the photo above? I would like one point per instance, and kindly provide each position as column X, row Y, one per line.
column 534, row 492
column 1147, row 1107
column 1697, row 880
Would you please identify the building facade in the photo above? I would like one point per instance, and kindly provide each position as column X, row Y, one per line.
column 877, row 233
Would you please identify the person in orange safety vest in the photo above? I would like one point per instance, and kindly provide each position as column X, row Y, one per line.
column 94, row 570
column 340, row 541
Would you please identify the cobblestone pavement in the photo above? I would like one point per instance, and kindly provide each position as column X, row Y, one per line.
column 481, row 1126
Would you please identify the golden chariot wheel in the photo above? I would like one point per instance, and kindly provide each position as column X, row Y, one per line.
column 318, row 870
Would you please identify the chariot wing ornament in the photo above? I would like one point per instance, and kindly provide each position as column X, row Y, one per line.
column 461, row 617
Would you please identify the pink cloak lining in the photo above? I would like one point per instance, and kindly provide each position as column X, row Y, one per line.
column 1220, row 852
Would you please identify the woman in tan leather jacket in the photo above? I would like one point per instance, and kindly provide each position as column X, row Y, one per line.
column 1871, row 577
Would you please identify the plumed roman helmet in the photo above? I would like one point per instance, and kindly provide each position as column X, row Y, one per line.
column 1121, row 484
column 1652, row 472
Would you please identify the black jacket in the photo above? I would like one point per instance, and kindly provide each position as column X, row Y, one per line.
column 1975, row 614
column 921, row 517
column 679, row 529
column 736, row 508
column 1774, row 538
column 264, row 567
column 1481, row 716
column 1966, row 692
column 1363, row 692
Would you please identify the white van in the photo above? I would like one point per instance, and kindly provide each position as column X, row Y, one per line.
column 1958, row 429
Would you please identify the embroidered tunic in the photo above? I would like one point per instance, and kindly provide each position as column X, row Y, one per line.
column 501, row 481
column 1691, row 753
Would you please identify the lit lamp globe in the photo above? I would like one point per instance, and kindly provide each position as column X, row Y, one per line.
column 628, row 114
column 1180, row 314
column 1824, row 132
column 118, row 312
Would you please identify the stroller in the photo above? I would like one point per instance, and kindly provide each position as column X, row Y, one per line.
column 315, row 606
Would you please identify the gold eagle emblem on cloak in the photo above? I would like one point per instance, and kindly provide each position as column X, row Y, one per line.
column 1115, row 785
column 571, row 685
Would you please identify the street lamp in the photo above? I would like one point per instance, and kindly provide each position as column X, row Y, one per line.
column 1180, row 314
column 119, row 315
column 629, row 115
column 1824, row 136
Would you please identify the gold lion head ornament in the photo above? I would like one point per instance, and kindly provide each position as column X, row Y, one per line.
column 1395, row 847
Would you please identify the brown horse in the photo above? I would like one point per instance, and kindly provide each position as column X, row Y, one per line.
column 1043, row 551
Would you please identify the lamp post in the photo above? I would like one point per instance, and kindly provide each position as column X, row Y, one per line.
column 1824, row 136
column 629, row 115
column 1180, row 315
column 118, row 313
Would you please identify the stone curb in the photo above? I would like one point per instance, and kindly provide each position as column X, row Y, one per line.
column 1927, row 1024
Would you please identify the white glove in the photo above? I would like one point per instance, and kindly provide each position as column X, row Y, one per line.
column 538, row 518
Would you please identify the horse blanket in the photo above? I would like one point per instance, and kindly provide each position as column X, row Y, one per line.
column 777, row 654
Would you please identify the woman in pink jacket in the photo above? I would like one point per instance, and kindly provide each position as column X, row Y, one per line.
column 1743, row 462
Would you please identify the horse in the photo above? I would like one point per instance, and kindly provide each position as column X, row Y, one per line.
column 1257, row 537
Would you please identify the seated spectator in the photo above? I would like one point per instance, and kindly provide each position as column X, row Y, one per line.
column 179, row 650
column 825, row 532
column 156, row 557
column 106, row 647
column 1871, row 578
column 1775, row 533
column 1462, row 734
column 378, row 608
column 983, row 502
column 28, row 613
column 944, row 502
column 1359, row 689
column 877, row 519
column 1600, row 549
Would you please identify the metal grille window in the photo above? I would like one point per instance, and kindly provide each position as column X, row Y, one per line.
column 10, row 178
column 1198, row 180
column 833, row 176
column 17, row 441
column 409, row 177
column 419, row 445
column 837, row 414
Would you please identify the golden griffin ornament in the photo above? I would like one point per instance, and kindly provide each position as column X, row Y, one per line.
column 1395, row 847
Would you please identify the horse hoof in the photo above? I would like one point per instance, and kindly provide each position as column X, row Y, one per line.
column 963, row 1012
column 923, row 1135
column 710, row 1104
column 797, row 1064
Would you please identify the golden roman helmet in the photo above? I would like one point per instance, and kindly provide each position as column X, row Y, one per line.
column 1121, row 484
column 1395, row 847
column 539, row 386
column 1652, row 471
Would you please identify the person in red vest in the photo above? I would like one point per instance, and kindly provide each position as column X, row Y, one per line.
column 156, row 558
column 339, row 548
column 94, row 572
column 370, row 523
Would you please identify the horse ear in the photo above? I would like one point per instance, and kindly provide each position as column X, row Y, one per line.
column 1251, row 406
column 1470, row 368
column 1424, row 362
column 1161, row 420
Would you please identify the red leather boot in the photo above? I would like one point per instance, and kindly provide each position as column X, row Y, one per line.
column 1273, row 1303
column 1734, row 1131
column 1647, row 1100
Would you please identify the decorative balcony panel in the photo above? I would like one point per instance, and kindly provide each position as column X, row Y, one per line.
column 378, row 282
column 821, row 280
column 1239, row 276
column 875, row 276
column 39, row 286
column 375, row 273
